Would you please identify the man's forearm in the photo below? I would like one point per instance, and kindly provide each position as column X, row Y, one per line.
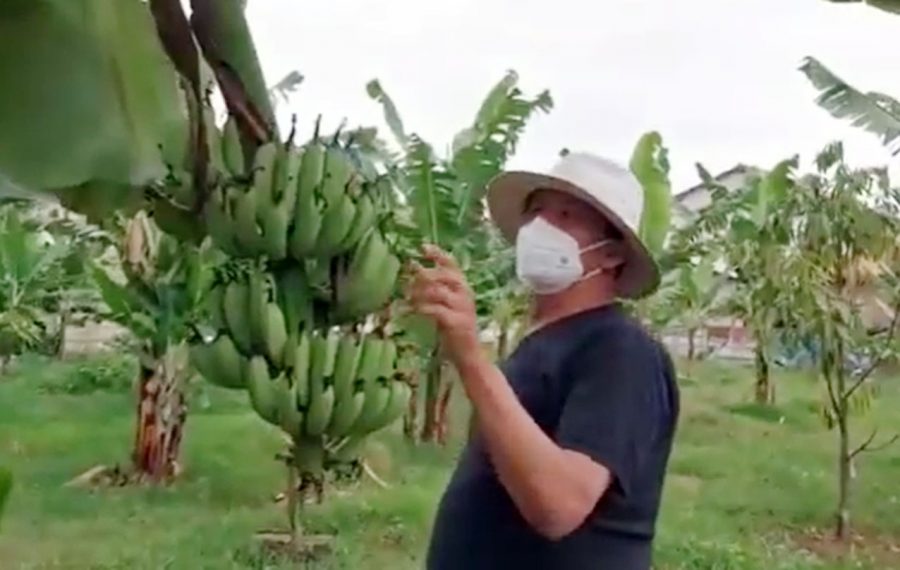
column 531, row 466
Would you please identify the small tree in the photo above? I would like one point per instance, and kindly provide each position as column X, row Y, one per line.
column 747, row 230
column 158, row 294
column 846, row 251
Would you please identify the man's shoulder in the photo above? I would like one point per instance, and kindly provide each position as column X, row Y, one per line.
column 619, row 330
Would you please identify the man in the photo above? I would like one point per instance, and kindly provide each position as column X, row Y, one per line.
column 574, row 431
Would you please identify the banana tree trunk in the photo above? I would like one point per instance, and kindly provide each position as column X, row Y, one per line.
column 161, row 415
column 411, row 418
column 691, row 339
column 432, row 398
column 443, row 420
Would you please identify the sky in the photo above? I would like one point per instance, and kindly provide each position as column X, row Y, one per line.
column 718, row 79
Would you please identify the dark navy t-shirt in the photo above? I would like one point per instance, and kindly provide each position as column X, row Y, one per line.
column 597, row 383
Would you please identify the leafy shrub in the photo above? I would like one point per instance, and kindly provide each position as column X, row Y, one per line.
column 112, row 372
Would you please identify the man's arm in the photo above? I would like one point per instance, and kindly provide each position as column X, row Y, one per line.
column 554, row 488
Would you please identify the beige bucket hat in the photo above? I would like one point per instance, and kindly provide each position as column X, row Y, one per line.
column 603, row 184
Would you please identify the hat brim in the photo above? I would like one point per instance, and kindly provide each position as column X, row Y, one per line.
column 506, row 196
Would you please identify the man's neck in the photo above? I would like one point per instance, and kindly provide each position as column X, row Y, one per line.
column 549, row 308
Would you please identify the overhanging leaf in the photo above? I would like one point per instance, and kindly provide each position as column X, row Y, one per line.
column 93, row 91
column 892, row 6
column 391, row 115
column 874, row 112
column 650, row 165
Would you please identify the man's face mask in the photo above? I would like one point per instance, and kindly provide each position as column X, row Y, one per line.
column 548, row 260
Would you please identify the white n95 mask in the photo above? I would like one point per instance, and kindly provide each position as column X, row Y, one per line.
column 548, row 260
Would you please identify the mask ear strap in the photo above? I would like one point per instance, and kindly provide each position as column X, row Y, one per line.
column 595, row 245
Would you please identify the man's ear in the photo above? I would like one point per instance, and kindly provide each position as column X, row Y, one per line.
column 613, row 256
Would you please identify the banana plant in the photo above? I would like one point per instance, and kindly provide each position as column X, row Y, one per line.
column 443, row 202
column 157, row 290
column 33, row 277
column 875, row 112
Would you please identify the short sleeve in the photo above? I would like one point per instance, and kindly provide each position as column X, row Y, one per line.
column 612, row 412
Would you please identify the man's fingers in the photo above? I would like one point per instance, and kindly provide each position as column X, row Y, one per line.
column 443, row 315
column 439, row 256
column 443, row 276
column 435, row 295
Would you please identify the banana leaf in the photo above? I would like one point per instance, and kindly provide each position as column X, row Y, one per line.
column 875, row 112
column 92, row 95
column 892, row 6
column 650, row 165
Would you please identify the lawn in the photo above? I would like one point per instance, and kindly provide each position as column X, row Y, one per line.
column 748, row 487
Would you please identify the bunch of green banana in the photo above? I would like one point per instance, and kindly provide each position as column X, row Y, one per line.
column 340, row 385
column 249, row 216
column 246, row 310
column 332, row 211
column 369, row 280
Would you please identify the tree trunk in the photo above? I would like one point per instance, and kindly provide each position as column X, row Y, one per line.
column 443, row 420
column 432, row 398
column 503, row 342
column 842, row 528
column 691, row 352
column 411, row 418
column 61, row 336
column 765, row 390
column 161, row 414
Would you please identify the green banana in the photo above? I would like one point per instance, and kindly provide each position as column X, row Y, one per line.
column 395, row 407
column 337, row 221
column 346, row 409
column 363, row 219
column 294, row 297
column 264, row 167
column 274, row 220
column 301, row 370
column 332, row 339
column 362, row 292
column 232, row 154
column 312, row 164
column 318, row 362
column 263, row 396
column 228, row 362
column 387, row 363
column 369, row 360
column 290, row 419
column 214, row 307
column 306, row 224
column 337, row 173
column 276, row 334
column 213, row 141
column 290, row 351
column 201, row 358
column 244, row 218
column 377, row 395
column 257, row 311
column 346, row 362
column 236, row 312
column 219, row 224
column 319, row 413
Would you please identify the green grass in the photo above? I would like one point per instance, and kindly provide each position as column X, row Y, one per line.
column 743, row 482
